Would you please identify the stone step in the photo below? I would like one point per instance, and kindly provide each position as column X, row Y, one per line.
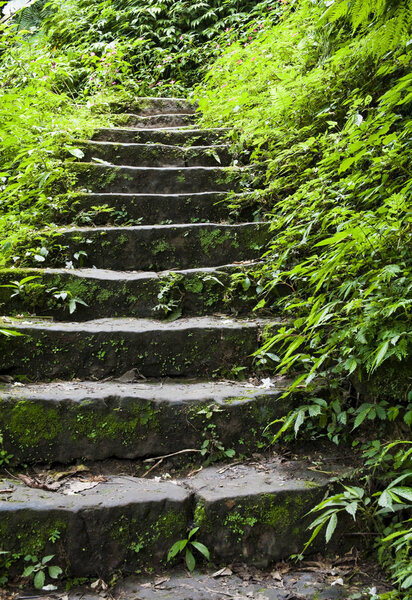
column 191, row 292
column 171, row 137
column 153, row 121
column 160, row 247
column 150, row 209
column 155, row 155
column 153, row 106
column 245, row 513
column 96, row 421
column 188, row 347
column 154, row 180
column 291, row 582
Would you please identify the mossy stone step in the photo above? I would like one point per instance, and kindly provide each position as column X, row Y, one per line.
column 191, row 292
column 155, row 155
column 153, row 106
column 110, row 347
column 153, row 121
column 95, row 421
column 154, row 180
column 125, row 524
column 292, row 582
column 171, row 137
column 150, row 209
column 161, row 247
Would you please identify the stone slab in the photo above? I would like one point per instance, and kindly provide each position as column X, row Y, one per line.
column 95, row 421
column 155, row 155
column 116, row 526
column 293, row 585
column 256, row 515
column 111, row 347
column 154, row 180
column 173, row 137
column 195, row 292
column 126, row 523
column 153, row 121
column 153, row 106
column 150, row 209
column 161, row 247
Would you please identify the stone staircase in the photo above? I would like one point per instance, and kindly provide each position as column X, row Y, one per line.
column 118, row 384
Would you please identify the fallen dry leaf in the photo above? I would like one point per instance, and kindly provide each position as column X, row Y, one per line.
column 99, row 585
column 75, row 487
column 160, row 580
column 225, row 572
column 35, row 483
column 57, row 475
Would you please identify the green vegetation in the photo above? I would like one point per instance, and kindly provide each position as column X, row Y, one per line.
column 188, row 545
column 38, row 569
column 327, row 123
column 327, row 127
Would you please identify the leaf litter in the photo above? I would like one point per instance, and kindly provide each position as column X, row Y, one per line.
column 65, row 482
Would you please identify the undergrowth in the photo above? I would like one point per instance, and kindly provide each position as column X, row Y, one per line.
column 327, row 123
column 319, row 95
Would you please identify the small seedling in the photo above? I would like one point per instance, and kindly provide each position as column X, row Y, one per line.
column 38, row 569
column 188, row 545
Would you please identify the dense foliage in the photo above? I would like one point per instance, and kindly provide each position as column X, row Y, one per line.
column 165, row 42
column 327, row 122
column 57, row 82
column 319, row 95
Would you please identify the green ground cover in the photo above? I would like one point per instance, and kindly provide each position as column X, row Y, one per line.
column 319, row 96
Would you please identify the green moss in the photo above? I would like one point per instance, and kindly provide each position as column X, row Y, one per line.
column 30, row 422
column 161, row 246
column 30, row 535
column 237, row 523
column 167, row 526
column 210, row 240
column 194, row 285
column 200, row 518
column 118, row 423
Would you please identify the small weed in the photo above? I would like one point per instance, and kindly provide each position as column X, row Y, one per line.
column 187, row 546
column 38, row 569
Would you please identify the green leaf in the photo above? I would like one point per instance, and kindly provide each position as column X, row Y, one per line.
column 75, row 152
column 351, row 509
column 47, row 559
column 407, row 583
column 54, row 572
column 39, row 580
column 408, row 418
column 246, row 283
column 202, row 549
column 385, row 500
column 28, row 571
column 190, row 560
column 176, row 548
column 361, row 417
column 333, row 521
column 193, row 532
column 299, row 421
column 403, row 492
column 380, row 355
column 72, row 305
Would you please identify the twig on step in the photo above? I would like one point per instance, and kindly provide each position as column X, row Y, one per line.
column 147, row 460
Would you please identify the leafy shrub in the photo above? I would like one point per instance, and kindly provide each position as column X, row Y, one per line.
column 327, row 124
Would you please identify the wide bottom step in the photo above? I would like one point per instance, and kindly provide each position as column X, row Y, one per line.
column 255, row 514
